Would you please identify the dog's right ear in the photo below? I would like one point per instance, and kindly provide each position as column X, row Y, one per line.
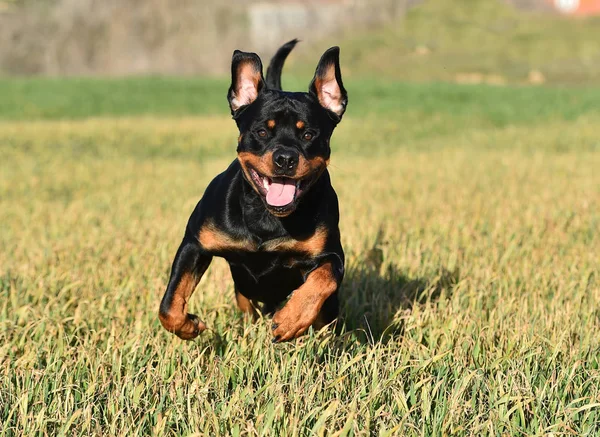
column 246, row 80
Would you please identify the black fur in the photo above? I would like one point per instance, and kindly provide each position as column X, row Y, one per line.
column 236, row 206
column 276, row 65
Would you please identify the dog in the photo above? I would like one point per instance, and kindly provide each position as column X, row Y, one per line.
column 273, row 213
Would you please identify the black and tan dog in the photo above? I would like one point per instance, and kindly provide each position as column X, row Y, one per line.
column 273, row 214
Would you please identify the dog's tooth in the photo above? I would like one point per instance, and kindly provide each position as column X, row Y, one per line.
column 266, row 184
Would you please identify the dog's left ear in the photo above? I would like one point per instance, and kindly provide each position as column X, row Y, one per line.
column 246, row 80
column 327, row 84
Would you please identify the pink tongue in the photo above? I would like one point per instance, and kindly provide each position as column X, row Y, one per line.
column 281, row 192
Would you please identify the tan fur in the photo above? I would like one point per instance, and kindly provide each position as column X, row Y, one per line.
column 313, row 245
column 212, row 239
column 264, row 165
column 246, row 305
column 302, row 310
column 307, row 167
column 177, row 320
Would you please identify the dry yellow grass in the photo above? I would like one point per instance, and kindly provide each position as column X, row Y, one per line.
column 470, row 303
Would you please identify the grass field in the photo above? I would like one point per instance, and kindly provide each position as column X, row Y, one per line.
column 475, row 41
column 471, row 304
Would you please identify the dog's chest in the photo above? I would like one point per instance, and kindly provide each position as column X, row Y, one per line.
column 268, row 276
column 265, row 269
column 214, row 240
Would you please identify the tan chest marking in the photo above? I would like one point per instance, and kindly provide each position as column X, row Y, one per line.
column 212, row 239
column 313, row 245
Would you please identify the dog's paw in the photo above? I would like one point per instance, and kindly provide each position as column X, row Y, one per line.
column 186, row 328
column 192, row 328
column 292, row 320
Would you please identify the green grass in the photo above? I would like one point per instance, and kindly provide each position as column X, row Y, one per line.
column 470, row 40
column 56, row 99
column 469, row 216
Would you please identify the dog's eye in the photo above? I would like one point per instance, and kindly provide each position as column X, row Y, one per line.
column 307, row 136
column 261, row 133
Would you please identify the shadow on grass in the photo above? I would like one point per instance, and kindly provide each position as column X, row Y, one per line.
column 373, row 298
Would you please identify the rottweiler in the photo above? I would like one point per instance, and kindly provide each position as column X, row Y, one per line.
column 273, row 213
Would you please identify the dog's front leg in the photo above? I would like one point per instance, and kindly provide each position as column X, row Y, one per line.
column 188, row 267
column 303, row 308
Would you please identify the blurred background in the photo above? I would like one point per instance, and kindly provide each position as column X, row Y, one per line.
column 489, row 41
column 467, row 173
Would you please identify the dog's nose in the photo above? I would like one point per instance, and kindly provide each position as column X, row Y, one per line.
column 285, row 160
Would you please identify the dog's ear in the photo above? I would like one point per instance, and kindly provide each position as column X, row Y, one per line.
column 327, row 84
column 246, row 79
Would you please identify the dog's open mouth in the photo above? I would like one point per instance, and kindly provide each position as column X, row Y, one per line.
column 280, row 193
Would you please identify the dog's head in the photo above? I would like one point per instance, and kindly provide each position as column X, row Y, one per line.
column 283, row 146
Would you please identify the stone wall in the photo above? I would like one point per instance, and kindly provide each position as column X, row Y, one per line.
column 124, row 37
column 273, row 22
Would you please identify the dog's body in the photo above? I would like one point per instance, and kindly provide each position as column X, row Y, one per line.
column 273, row 214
